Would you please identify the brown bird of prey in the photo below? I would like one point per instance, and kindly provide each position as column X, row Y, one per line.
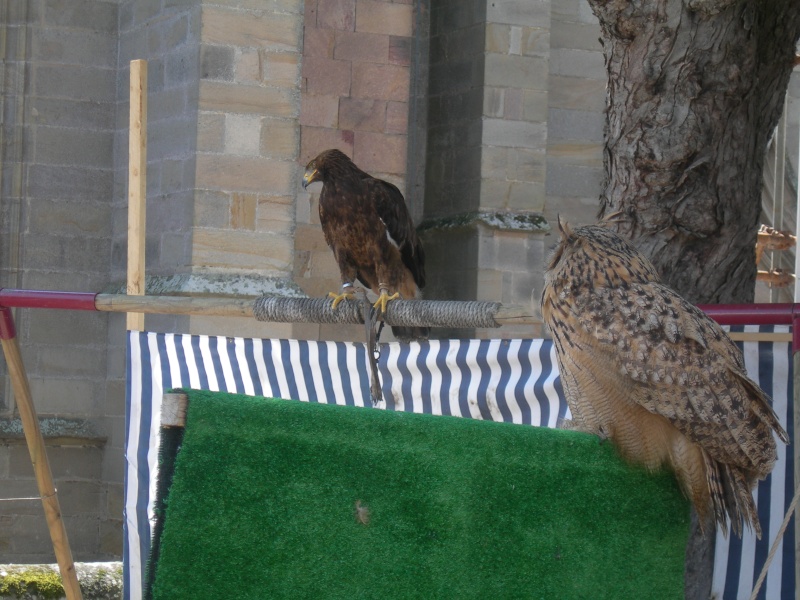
column 367, row 225
column 642, row 366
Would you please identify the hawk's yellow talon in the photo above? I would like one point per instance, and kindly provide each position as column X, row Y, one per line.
column 337, row 298
column 384, row 299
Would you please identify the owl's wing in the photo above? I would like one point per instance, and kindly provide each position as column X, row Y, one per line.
column 680, row 364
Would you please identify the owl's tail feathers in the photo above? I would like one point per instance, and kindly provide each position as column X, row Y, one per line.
column 731, row 497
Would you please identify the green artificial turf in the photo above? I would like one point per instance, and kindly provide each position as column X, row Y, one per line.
column 285, row 499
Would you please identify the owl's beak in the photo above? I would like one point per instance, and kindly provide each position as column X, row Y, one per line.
column 310, row 176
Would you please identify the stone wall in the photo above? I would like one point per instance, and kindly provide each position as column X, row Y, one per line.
column 58, row 179
column 355, row 96
column 488, row 114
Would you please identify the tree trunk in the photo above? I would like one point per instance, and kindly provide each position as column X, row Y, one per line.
column 695, row 89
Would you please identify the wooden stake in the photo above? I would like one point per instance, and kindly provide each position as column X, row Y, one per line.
column 36, row 448
column 137, row 187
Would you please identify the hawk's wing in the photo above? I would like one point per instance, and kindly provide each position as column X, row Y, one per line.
column 392, row 210
column 680, row 364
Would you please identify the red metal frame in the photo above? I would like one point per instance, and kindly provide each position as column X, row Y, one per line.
column 725, row 314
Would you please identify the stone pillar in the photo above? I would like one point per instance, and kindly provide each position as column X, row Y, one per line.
column 487, row 136
column 222, row 150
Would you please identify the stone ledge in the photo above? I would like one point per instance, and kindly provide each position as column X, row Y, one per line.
column 211, row 284
column 98, row 581
column 55, row 430
column 504, row 220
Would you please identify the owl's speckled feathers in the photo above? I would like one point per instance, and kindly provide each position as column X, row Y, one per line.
column 652, row 372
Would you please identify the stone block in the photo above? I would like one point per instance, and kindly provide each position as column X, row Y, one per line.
column 246, row 99
column 91, row 49
column 81, row 498
column 243, row 211
column 71, row 217
column 397, row 117
column 110, row 538
column 384, row 17
column 242, row 134
column 382, row 82
column 581, row 125
column 400, row 50
column 216, row 62
column 69, row 182
column 244, row 173
column 318, row 43
column 326, row 76
column 63, row 396
column 568, row 62
column 519, row 12
column 310, row 238
column 526, row 195
column 62, row 361
column 357, row 45
column 247, row 66
column 210, row 131
column 578, row 36
column 514, row 134
column 336, row 14
column 89, row 15
column 585, row 154
column 68, row 146
column 577, row 94
column 534, row 105
column 380, row 153
column 362, row 115
column 279, row 139
column 65, row 253
column 273, row 30
column 62, row 112
column 320, row 111
column 512, row 104
column 528, row 72
column 534, row 41
column 498, row 38
column 314, row 140
column 281, row 69
column 275, row 214
column 571, row 180
column 220, row 249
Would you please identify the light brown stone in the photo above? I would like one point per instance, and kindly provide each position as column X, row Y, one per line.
column 383, row 82
column 226, row 249
column 379, row 153
column 362, row 115
column 356, row 45
column 248, row 30
column 244, row 173
column 227, row 97
column 384, row 17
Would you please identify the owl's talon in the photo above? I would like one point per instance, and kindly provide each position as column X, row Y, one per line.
column 347, row 294
column 384, row 299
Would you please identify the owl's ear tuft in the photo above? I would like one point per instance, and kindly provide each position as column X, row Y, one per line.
column 564, row 229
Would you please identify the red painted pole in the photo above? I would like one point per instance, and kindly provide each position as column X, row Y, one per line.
column 47, row 299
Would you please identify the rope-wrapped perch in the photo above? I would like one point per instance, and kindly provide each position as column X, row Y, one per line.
column 406, row 313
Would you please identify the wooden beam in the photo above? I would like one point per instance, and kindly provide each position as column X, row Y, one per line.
column 137, row 187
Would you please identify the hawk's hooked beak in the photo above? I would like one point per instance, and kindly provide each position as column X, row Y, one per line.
column 310, row 176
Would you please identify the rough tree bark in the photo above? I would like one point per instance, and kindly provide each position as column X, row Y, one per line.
column 695, row 89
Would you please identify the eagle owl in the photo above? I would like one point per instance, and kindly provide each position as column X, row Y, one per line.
column 650, row 371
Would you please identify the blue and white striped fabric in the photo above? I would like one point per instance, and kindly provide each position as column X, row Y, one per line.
column 514, row 381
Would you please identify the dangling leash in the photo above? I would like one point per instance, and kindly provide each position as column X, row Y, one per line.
column 373, row 334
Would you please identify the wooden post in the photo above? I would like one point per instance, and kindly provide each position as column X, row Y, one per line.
column 36, row 448
column 137, row 186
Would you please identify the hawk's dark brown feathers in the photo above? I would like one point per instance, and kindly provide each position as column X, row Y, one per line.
column 367, row 225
